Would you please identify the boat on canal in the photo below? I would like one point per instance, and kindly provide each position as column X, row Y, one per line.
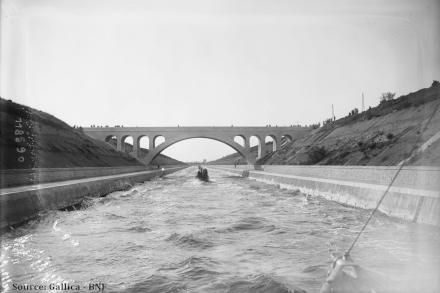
column 202, row 174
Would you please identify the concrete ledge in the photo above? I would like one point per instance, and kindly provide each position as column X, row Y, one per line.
column 19, row 204
column 413, row 204
column 410, row 176
column 19, row 177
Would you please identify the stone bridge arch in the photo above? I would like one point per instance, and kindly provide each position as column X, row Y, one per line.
column 173, row 135
column 245, row 153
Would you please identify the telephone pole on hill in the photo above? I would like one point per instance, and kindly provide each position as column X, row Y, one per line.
column 333, row 113
column 363, row 105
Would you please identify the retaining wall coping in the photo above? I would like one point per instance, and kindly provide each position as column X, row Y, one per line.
column 12, row 190
column 347, row 167
column 382, row 187
column 405, row 190
column 419, row 205
column 41, row 170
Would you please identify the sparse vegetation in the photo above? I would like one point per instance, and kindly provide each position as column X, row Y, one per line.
column 327, row 121
column 388, row 96
column 316, row 126
column 355, row 111
column 47, row 142
column 380, row 135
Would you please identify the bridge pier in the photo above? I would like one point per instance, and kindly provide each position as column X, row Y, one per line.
column 247, row 143
column 150, row 144
column 136, row 147
column 261, row 149
column 276, row 143
column 173, row 135
column 119, row 143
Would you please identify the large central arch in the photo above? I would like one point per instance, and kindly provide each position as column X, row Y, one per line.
column 171, row 135
column 245, row 153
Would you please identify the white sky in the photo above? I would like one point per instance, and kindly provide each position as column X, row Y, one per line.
column 212, row 62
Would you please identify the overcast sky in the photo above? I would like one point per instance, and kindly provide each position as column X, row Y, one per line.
column 213, row 62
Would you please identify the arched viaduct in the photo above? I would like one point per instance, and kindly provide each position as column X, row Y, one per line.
column 172, row 135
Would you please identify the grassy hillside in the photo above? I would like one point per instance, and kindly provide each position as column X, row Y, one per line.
column 383, row 135
column 30, row 138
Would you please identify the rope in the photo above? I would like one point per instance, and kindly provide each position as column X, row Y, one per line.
column 347, row 253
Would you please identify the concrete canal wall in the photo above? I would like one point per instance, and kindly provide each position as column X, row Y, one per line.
column 18, row 204
column 414, row 196
column 17, row 177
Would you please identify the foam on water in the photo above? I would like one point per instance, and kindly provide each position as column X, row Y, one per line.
column 178, row 234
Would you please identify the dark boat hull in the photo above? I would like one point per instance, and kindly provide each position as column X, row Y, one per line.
column 202, row 174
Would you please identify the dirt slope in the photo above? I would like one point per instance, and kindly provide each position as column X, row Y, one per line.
column 383, row 135
column 30, row 138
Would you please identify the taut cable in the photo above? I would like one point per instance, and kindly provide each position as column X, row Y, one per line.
column 412, row 153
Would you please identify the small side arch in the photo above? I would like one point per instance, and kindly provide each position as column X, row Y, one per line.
column 143, row 145
column 285, row 139
column 273, row 140
column 255, row 140
column 288, row 137
column 111, row 140
column 127, row 143
column 240, row 139
column 158, row 140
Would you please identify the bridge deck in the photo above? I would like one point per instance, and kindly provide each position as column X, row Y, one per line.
column 199, row 128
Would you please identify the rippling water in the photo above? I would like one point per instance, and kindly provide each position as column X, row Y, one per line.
column 179, row 234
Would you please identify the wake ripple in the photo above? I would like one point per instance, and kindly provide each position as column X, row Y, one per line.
column 252, row 223
column 261, row 284
column 190, row 241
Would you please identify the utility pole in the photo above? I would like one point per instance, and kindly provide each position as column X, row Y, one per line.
column 333, row 113
column 363, row 105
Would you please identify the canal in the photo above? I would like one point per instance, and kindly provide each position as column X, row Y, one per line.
column 179, row 234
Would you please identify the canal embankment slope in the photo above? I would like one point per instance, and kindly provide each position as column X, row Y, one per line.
column 380, row 136
column 33, row 139
column 352, row 160
column 47, row 164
